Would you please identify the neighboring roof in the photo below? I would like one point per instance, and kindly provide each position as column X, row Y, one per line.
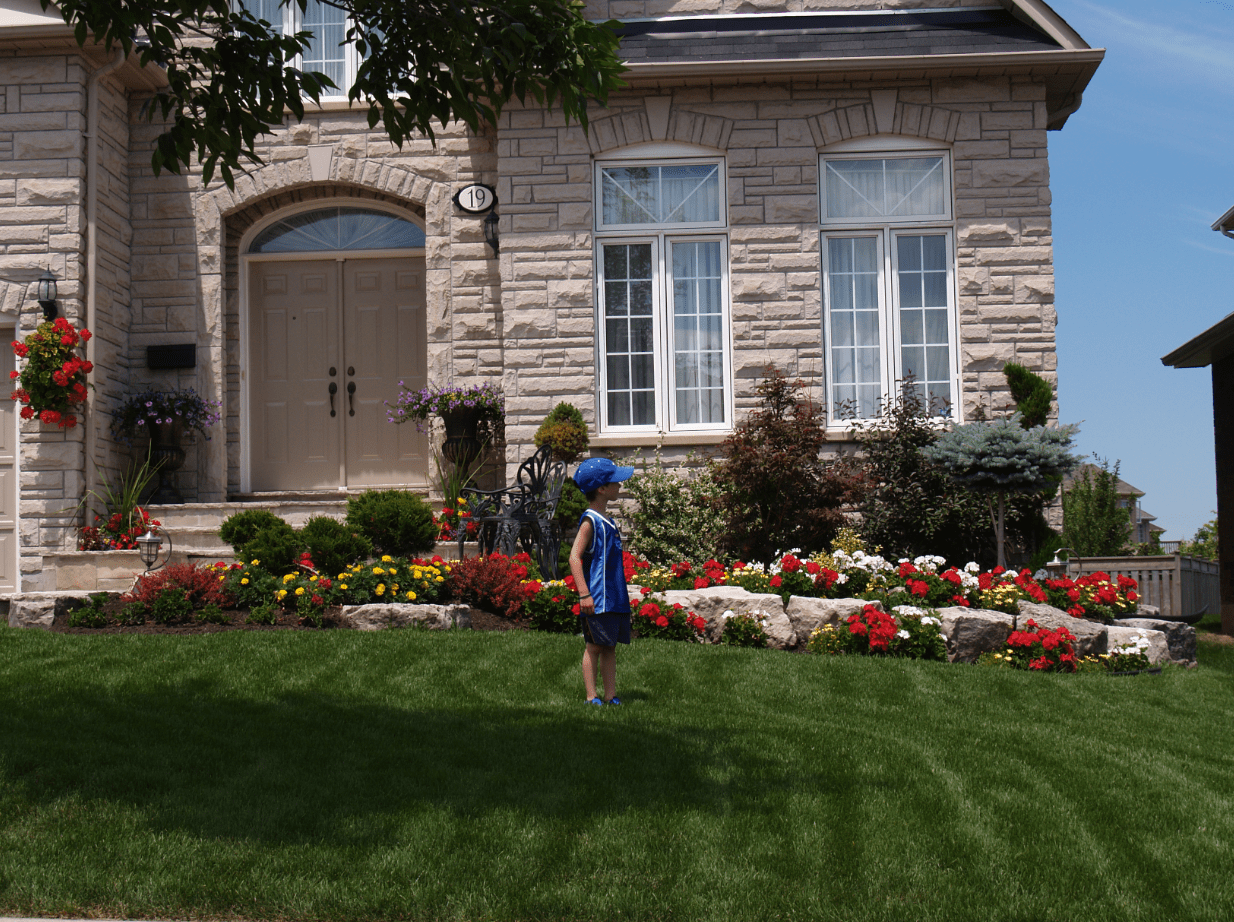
column 1016, row 36
column 25, row 13
column 1225, row 223
column 1121, row 488
column 1217, row 342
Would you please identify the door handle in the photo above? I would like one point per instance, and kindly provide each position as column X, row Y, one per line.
column 333, row 391
column 351, row 396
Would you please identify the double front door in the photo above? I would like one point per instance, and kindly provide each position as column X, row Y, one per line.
column 330, row 341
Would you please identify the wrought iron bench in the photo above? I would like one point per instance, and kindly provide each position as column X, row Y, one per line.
column 522, row 515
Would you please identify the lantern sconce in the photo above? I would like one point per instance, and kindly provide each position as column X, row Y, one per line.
column 47, row 294
column 490, row 232
column 150, row 545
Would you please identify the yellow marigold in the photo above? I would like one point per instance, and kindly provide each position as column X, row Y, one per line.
column 289, row 577
column 381, row 589
column 393, row 571
column 411, row 596
column 438, row 580
column 342, row 585
column 244, row 581
column 394, row 587
column 255, row 563
column 386, row 558
column 378, row 571
column 221, row 578
column 299, row 590
column 281, row 594
column 313, row 578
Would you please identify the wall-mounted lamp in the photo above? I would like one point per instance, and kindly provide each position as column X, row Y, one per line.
column 490, row 232
column 47, row 294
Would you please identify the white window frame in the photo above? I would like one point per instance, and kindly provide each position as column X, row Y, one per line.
column 886, row 231
column 292, row 23
column 661, row 238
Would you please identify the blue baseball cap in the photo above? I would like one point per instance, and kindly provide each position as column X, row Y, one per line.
column 596, row 472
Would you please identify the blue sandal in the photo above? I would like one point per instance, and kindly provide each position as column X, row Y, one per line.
column 613, row 700
column 594, row 701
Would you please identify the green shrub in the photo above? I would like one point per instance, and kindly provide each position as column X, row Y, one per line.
column 1094, row 525
column 133, row 613
column 251, row 586
column 396, row 522
column 565, row 431
column 265, row 613
column 171, row 606
column 276, row 546
column 212, row 614
column 1032, row 394
column 333, row 546
column 747, row 629
column 91, row 614
column 677, row 517
column 241, row 528
column 775, row 491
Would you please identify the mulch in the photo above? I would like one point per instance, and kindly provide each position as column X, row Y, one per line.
column 287, row 621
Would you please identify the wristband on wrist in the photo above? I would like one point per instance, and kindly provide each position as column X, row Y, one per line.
column 587, row 596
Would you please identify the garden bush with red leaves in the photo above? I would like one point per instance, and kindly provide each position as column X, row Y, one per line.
column 494, row 583
column 201, row 586
column 775, row 491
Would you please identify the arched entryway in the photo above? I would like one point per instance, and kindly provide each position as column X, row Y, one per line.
column 334, row 304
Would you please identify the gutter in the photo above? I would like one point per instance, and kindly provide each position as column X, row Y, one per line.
column 92, row 251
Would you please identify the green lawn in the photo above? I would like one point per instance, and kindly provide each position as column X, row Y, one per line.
column 412, row 775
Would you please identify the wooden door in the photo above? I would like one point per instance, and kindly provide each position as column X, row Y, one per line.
column 295, row 435
column 384, row 337
column 358, row 324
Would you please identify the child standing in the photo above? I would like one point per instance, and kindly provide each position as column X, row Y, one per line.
column 598, row 567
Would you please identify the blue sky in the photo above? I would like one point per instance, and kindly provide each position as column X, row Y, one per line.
column 1139, row 174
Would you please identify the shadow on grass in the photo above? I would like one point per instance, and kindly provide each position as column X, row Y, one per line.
column 304, row 767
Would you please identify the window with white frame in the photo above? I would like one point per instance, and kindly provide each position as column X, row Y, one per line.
column 662, row 296
column 326, row 52
column 888, row 261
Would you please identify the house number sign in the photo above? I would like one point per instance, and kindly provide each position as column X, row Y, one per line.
column 476, row 198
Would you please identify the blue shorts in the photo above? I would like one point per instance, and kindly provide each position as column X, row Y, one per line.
column 607, row 630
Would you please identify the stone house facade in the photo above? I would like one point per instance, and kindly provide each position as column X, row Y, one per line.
column 846, row 190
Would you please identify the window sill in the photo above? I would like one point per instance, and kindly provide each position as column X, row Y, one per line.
column 654, row 439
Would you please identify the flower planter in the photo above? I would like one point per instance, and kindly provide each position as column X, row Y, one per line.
column 462, row 443
column 166, row 456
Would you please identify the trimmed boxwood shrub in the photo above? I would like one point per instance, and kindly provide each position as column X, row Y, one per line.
column 333, row 546
column 277, row 546
column 241, row 528
column 397, row 522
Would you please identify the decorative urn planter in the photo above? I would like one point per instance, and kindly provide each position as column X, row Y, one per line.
column 167, row 456
column 462, row 443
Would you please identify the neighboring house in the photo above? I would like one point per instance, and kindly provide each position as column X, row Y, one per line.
column 1215, row 347
column 847, row 194
column 1143, row 526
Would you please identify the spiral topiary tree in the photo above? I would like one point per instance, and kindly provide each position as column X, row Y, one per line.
column 1002, row 457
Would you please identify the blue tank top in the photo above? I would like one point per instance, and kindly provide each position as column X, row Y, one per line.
column 604, row 565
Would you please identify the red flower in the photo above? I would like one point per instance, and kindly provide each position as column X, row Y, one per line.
column 776, row 582
column 577, row 609
column 790, row 564
column 27, row 412
column 50, row 416
column 960, row 600
column 702, row 582
column 812, row 567
column 662, row 621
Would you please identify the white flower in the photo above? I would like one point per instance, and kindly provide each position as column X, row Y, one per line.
column 728, row 614
column 931, row 620
column 903, row 634
column 912, row 610
column 842, row 579
column 943, row 637
column 972, row 567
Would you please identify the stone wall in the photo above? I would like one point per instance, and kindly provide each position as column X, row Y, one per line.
column 771, row 136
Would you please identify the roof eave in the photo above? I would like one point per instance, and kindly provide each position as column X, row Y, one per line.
column 1070, row 70
column 1217, row 342
column 1225, row 222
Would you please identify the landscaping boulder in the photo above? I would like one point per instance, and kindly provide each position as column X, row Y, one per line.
column 1158, row 650
column 1179, row 637
column 1090, row 636
column 711, row 604
column 973, row 631
column 808, row 615
column 40, row 609
column 376, row 616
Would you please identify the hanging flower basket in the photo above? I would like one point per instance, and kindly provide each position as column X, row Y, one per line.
column 483, row 403
column 52, row 385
